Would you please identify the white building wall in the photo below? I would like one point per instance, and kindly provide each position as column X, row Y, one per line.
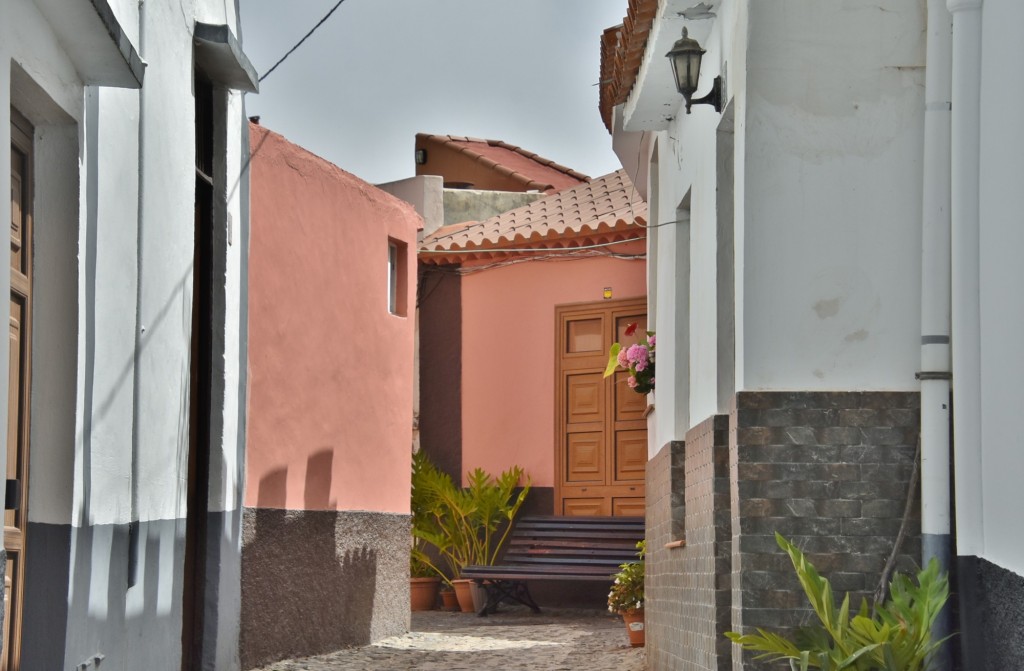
column 683, row 207
column 166, row 240
column 827, row 106
column 1002, row 276
column 114, row 220
column 832, row 184
column 106, row 319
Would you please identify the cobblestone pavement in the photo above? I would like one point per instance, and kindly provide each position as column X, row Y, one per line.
column 513, row 639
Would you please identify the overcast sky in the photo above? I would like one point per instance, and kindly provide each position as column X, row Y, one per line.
column 380, row 71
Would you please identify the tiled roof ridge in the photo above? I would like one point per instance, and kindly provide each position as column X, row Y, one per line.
column 622, row 232
column 606, row 209
column 536, row 158
column 550, row 234
column 622, row 53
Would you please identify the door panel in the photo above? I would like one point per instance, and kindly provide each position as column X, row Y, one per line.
column 630, row 455
column 601, row 424
column 585, row 399
column 585, row 335
column 629, row 405
column 585, row 507
column 628, row 507
column 585, row 457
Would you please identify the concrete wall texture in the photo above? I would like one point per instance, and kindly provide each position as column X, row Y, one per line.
column 688, row 610
column 829, row 471
column 331, row 409
column 348, row 586
column 114, row 278
column 331, row 369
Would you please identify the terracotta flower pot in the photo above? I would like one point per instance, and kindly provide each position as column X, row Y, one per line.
column 449, row 599
column 634, row 620
column 464, row 593
column 479, row 594
column 423, row 592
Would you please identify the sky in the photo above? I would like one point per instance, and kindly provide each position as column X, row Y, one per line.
column 379, row 71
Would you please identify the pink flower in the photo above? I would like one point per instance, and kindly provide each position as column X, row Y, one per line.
column 638, row 356
column 650, row 340
column 623, row 361
column 631, row 381
column 636, row 353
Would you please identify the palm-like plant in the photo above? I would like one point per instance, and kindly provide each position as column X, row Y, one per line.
column 461, row 523
column 895, row 637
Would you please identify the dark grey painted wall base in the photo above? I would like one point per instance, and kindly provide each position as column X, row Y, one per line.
column 540, row 501
column 74, row 612
column 316, row 581
column 991, row 616
column 125, row 602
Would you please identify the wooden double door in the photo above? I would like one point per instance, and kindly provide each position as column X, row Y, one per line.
column 601, row 428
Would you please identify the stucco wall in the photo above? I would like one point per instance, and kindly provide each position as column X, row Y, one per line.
column 832, row 196
column 1002, row 313
column 330, row 397
column 825, row 177
column 508, row 356
column 111, row 350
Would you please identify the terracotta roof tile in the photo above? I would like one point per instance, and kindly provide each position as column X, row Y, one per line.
column 607, row 209
column 622, row 52
column 532, row 171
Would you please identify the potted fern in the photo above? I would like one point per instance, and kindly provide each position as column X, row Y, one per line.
column 463, row 525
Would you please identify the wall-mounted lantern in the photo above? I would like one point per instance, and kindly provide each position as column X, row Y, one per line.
column 685, row 57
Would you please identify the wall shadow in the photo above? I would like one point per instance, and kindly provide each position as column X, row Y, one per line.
column 273, row 489
column 319, row 476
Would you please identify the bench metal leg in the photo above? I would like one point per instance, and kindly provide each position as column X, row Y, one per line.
column 501, row 590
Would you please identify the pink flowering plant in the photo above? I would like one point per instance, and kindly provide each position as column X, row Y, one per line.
column 637, row 358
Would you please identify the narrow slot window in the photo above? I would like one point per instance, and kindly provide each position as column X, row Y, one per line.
column 397, row 278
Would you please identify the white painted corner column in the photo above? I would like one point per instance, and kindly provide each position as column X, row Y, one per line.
column 966, row 315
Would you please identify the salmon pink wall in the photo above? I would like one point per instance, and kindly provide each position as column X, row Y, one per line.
column 330, row 381
column 508, row 355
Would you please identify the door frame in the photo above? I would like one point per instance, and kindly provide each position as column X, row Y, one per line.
column 22, row 133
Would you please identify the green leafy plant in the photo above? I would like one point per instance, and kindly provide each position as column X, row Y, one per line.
column 627, row 592
column 462, row 523
column 896, row 636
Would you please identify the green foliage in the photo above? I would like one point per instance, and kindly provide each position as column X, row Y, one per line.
column 627, row 591
column 613, row 359
column 462, row 523
column 895, row 637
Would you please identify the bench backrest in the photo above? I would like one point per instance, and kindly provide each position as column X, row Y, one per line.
column 584, row 544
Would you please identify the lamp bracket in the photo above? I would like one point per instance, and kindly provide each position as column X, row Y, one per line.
column 714, row 97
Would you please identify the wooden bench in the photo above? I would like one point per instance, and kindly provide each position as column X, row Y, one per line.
column 557, row 548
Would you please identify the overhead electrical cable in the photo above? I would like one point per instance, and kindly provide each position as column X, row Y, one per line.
column 304, row 38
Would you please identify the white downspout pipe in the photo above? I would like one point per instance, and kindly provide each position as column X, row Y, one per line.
column 935, row 303
column 966, row 350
